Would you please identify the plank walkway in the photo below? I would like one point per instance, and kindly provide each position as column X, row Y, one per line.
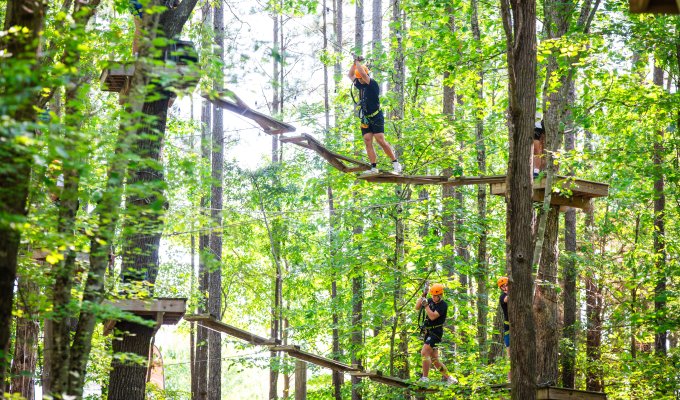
column 211, row 322
column 229, row 101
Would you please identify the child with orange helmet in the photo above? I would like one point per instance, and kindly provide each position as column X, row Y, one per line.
column 436, row 309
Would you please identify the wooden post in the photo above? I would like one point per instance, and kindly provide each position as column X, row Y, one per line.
column 300, row 380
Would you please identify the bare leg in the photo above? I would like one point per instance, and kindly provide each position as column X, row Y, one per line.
column 507, row 350
column 538, row 155
column 380, row 138
column 438, row 364
column 426, row 353
column 370, row 151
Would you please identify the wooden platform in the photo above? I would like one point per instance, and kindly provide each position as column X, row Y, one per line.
column 655, row 6
column 165, row 311
column 338, row 161
column 229, row 101
column 582, row 191
column 556, row 393
column 211, row 322
column 118, row 77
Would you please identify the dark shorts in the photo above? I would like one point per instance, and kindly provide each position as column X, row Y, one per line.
column 376, row 124
column 506, row 339
column 539, row 134
column 432, row 339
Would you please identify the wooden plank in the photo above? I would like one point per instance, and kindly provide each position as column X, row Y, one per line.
column 475, row 180
column 267, row 123
column 295, row 351
column 315, row 144
column 151, row 306
column 390, row 177
column 579, row 187
column 562, row 201
column 555, row 393
column 211, row 322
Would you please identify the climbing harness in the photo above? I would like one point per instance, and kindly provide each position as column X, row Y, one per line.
column 360, row 107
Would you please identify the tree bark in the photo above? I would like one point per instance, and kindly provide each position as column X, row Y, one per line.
column 545, row 305
column 25, row 356
column 482, row 272
column 521, row 54
column 14, row 181
column 216, row 189
column 659, row 234
column 203, row 261
column 132, row 373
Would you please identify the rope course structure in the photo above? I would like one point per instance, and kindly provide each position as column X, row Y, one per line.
column 210, row 322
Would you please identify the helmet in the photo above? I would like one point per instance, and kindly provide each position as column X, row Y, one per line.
column 437, row 289
column 503, row 280
column 358, row 75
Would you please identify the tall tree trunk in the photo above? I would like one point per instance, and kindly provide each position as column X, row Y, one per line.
column 337, row 376
column 145, row 191
column 569, row 272
column 25, row 356
column 519, row 23
column 482, row 272
column 397, row 87
column 594, row 304
column 202, row 353
column 14, row 181
column 545, row 304
column 215, row 285
column 661, row 334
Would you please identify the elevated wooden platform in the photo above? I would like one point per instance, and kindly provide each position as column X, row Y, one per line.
column 655, row 6
column 568, row 192
column 338, row 161
column 557, row 393
column 118, row 76
column 165, row 311
column 229, row 101
column 210, row 322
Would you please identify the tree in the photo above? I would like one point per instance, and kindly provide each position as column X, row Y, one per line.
column 521, row 58
column 23, row 44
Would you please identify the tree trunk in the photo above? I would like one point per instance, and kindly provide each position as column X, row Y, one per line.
column 25, row 356
column 215, row 280
column 594, row 304
column 137, row 341
column 659, row 234
column 519, row 22
column 203, row 261
column 482, row 273
column 545, row 305
column 14, row 181
column 300, row 380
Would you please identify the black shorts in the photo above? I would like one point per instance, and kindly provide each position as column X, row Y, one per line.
column 432, row 339
column 376, row 124
column 539, row 133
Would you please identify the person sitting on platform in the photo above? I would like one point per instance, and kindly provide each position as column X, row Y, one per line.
column 372, row 118
column 435, row 309
column 539, row 145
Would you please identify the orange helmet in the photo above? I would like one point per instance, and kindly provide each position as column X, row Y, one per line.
column 437, row 289
column 358, row 75
column 503, row 280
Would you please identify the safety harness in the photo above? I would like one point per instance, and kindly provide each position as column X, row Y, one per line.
column 360, row 107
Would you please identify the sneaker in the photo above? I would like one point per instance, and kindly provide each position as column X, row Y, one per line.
column 451, row 381
column 371, row 171
column 396, row 167
column 424, row 379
